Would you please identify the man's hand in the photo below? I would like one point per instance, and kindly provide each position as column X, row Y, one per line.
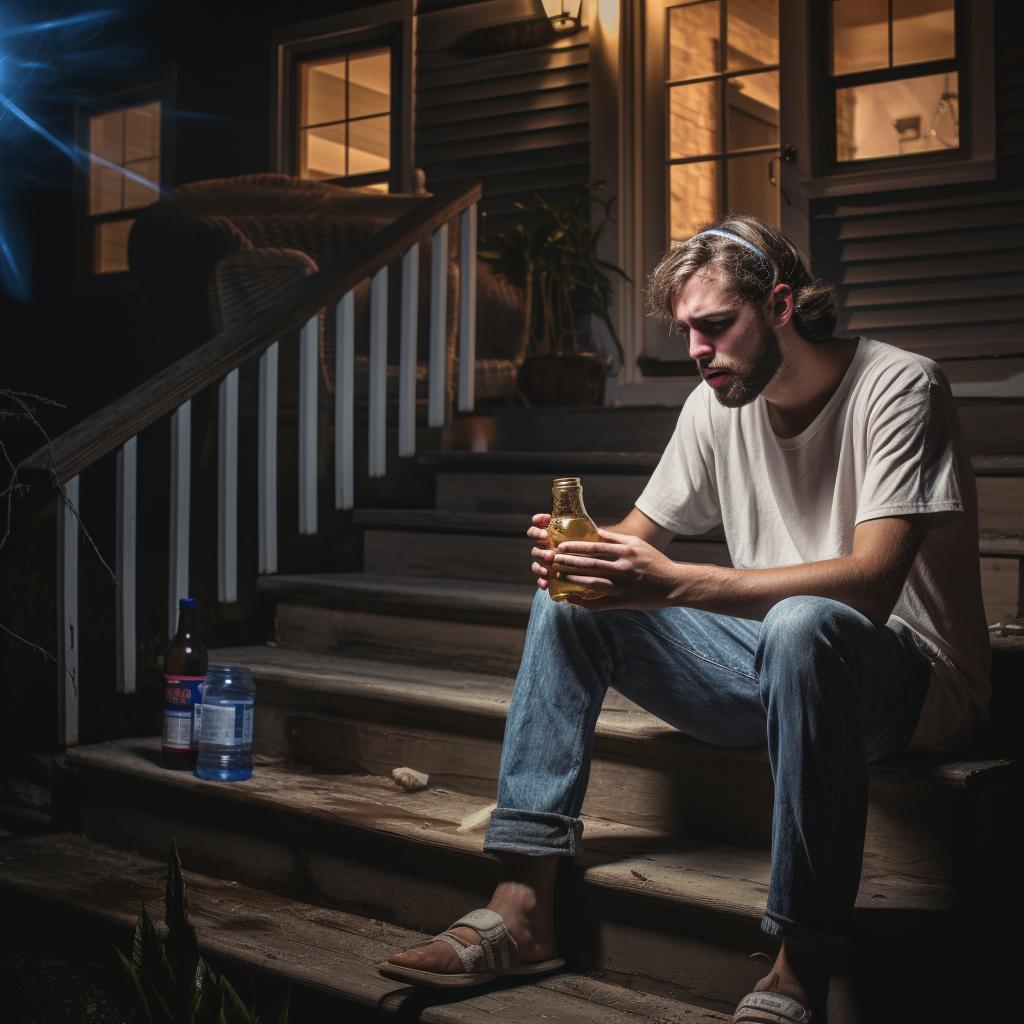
column 632, row 572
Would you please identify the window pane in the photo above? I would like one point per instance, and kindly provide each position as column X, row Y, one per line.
column 322, row 91
column 693, row 191
column 749, row 186
column 693, row 40
column 753, row 110
column 922, row 30
column 110, row 246
column 916, row 115
column 752, row 33
column 860, row 35
column 322, row 152
column 369, row 145
column 142, row 132
column 369, row 83
column 136, row 193
column 104, row 188
column 694, row 124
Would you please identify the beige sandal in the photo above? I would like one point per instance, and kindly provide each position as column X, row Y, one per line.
column 494, row 956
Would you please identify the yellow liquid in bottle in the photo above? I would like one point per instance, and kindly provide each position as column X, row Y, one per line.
column 570, row 528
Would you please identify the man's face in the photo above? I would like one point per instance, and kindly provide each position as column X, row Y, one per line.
column 735, row 346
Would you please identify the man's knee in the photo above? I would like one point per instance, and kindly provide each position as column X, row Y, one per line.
column 797, row 633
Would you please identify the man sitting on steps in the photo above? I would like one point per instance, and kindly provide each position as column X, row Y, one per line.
column 850, row 629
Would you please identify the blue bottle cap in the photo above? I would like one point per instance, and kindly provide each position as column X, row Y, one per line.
column 187, row 602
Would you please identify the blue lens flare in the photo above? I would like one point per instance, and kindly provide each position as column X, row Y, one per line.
column 48, row 51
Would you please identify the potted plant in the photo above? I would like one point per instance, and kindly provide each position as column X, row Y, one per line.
column 552, row 255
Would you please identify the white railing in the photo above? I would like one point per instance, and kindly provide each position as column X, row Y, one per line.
column 112, row 428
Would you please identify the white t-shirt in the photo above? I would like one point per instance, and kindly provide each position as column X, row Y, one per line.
column 886, row 444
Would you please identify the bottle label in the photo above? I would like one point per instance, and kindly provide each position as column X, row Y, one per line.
column 177, row 730
column 221, row 724
column 183, row 696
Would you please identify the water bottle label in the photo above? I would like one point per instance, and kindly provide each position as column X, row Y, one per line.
column 177, row 729
column 220, row 722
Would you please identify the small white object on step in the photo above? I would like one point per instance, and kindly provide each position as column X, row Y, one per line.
column 477, row 819
column 409, row 779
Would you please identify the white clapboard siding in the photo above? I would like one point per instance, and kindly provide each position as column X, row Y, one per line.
column 517, row 121
column 938, row 273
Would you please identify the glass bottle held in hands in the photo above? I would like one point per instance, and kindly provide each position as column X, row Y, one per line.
column 569, row 521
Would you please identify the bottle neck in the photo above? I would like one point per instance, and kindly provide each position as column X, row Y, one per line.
column 186, row 622
column 567, row 501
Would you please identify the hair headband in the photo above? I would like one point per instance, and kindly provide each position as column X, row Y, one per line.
column 721, row 233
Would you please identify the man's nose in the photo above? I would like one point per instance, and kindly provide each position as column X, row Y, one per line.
column 699, row 347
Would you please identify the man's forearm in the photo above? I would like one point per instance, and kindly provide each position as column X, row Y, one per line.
column 750, row 593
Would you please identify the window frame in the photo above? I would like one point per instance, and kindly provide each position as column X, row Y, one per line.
column 721, row 78
column 388, row 24
column 961, row 63
column 84, row 249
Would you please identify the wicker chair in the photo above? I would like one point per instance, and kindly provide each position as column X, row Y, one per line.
column 220, row 249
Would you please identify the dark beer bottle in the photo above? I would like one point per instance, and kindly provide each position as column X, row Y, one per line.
column 185, row 664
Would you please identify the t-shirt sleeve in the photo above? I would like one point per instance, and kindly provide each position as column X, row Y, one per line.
column 682, row 494
column 910, row 467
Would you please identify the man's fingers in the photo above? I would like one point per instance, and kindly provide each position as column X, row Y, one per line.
column 543, row 553
column 590, row 547
column 540, row 570
column 537, row 533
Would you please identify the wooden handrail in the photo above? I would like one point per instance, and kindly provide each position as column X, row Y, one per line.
column 106, row 430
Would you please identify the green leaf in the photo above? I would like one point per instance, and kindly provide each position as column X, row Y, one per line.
column 181, row 945
column 137, row 1010
column 278, row 1013
column 233, row 1010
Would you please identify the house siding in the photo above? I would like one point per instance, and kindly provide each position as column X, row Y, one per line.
column 519, row 122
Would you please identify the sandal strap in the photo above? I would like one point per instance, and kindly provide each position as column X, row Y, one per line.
column 496, row 950
column 770, row 1008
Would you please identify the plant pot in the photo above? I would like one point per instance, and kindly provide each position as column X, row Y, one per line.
column 572, row 378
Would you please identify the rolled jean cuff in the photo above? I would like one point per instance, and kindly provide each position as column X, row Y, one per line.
column 534, row 833
column 786, row 929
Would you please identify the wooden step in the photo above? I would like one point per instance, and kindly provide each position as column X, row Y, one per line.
column 478, row 546
column 436, row 622
column 310, row 946
column 364, row 716
column 679, row 915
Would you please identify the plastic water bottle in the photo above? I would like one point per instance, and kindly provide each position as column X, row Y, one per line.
column 225, row 744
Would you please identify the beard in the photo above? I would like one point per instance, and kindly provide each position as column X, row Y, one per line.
column 748, row 382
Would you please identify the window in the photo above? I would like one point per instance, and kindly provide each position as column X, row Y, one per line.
column 344, row 119
column 124, row 176
column 894, row 79
column 722, row 80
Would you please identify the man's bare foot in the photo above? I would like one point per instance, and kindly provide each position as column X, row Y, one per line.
column 524, row 898
column 801, row 971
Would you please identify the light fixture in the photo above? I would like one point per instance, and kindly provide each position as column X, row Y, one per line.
column 564, row 15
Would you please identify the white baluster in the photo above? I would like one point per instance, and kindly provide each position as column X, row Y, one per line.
column 127, row 503
column 437, row 366
column 467, row 311
column 308, row 379
column 345, row 402
column 378, row 372
column 266, row 472
column 407, row 362
column 227, row 489
column 181, row 468
column 67, row 616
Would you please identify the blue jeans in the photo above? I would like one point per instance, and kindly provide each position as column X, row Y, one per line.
column 825, row 688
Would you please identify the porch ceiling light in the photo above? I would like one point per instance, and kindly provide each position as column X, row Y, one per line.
column 564, row 15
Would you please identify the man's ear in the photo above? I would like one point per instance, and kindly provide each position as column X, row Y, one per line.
column 782, row 305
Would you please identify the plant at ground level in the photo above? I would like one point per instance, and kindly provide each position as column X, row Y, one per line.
column 168, row 982
column 552, row 255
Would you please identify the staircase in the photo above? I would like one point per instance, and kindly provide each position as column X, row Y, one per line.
column 320, row 865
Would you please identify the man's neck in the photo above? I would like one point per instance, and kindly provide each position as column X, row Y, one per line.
column 807, row 379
